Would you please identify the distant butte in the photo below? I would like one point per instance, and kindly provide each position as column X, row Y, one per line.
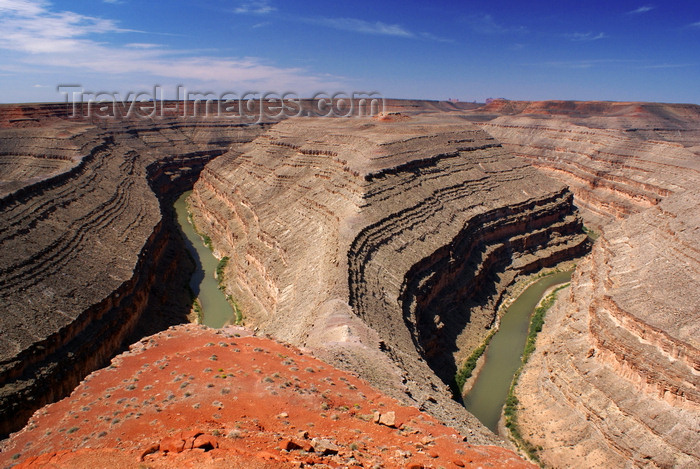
column 384, row 245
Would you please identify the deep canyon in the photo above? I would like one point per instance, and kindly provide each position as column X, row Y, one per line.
column 384, row 246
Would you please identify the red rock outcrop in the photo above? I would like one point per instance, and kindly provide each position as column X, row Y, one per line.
column 194, row 397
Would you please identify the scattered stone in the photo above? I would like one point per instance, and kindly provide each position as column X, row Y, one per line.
column 323, row 446
column 289, row 445
column 150, row 450
column 172, row 445
column 206, row 442
column 388, row 419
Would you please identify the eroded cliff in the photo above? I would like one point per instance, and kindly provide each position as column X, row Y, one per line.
column 382, row 245
column 84, row 247
column 615, row 380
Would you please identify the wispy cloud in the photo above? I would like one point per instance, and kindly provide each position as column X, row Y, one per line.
column 362, row 26
column 662, row 66
column 694, row 25
column 378, row 28
column 586, row 63
column 598, row 63
column 486, row 24
column 585, row 37
column 355, row 25
column 142, row 45
column 432, row 37
column 641, row 10
column 68, row 42
column 256, row 7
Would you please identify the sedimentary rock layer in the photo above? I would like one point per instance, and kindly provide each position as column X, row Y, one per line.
column 617, row 158
column 615, row 381
column 84, row 247
column 383, row 245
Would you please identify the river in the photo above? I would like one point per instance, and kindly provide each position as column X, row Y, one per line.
column 216, row 311
column 486, row 398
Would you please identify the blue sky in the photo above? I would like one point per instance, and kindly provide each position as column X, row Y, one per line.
column 470, row 50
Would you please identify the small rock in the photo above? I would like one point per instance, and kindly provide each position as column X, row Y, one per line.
column 458, row 462
column 388, row 419
column 150, row 450
column 283, row 415
column 206, row 442
column 172, row 445
column 376, row 416
column 323, row 446
column 414, row 465
column 303, row 434
column 289, row 445
column 433, row 454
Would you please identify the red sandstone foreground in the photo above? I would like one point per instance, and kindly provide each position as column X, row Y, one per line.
column 195, row 397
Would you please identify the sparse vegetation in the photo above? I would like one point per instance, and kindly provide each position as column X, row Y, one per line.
column 511, row 406
column 220, row 271
column 591, row 234
column 465, row 372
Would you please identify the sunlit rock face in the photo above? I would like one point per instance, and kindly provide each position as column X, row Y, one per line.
column 85, row 251
column 383, row 244
column 616, row 376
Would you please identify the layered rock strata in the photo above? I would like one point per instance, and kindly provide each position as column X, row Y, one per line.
column 617, row 158
column 382, row 245
column 615, row 380
column 85, row 250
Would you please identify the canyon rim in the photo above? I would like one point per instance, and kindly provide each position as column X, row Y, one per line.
column 384, row 246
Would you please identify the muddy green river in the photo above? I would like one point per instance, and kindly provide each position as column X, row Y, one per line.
column 503, row 356
column 217, row 312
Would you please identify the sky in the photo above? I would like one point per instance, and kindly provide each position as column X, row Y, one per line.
column 466, row 50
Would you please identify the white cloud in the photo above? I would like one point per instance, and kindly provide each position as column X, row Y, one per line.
column 378, row 28
column 432, row 37
column 585, row 37
column 22, row 7
column 259, row 7
column 362, row 26
column 694, row 25
column 142, row 45
column 486, row 24
column 42, row 40
column 642, row 9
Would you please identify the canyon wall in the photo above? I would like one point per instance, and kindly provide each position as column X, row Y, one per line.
column 85, row 250
column 615, row 380
column 383, row 245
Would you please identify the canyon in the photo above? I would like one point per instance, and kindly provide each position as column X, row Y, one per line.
column 615, row 378
column 384, row 245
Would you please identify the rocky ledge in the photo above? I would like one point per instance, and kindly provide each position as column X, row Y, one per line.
column 195, row 397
